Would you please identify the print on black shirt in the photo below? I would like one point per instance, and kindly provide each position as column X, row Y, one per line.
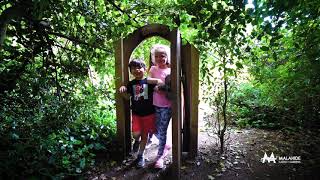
column 140, row 91
column 141, row 97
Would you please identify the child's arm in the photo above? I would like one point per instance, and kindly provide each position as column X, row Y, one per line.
column 124, row 93
column 154, row 81
column 150, row 72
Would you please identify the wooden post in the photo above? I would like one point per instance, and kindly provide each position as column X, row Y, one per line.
column 190, row 64
column 186, row 118
column 122, row 105
column 194, row 99
column 190, row 69
column 176, row 103
column 125, row 72
column 120, row 102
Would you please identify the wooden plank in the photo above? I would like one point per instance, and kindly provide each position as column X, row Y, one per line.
column 155, row 30
column 125, row 72
column 194, row 95
column 176, row 103
column 120, row 111
column 190, row 69
column 122, row 105
column 185, row 65
column 145, row 32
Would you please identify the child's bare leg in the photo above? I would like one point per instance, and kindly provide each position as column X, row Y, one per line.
column 136, row 136
column 144, row 138
column 141, row 160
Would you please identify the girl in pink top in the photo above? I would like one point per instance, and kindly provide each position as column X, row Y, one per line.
column 161, row 59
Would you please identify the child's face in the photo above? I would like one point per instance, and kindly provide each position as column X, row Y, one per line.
column 138, row 72
column 160, row 58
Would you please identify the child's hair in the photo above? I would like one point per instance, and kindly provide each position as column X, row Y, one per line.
column 137, row 63
column 160, row 48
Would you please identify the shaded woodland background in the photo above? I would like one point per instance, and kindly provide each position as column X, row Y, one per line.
column 260, row 67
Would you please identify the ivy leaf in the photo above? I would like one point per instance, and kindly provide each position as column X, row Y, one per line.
column 82, row 22
column 224, row 41
column 264, row 48
column 239, row 65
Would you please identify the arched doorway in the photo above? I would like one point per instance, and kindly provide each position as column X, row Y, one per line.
column 184, row 72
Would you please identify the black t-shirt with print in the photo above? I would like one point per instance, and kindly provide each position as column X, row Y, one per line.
column 141, row 97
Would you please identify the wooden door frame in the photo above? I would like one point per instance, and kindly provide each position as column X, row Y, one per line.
column 123, row 51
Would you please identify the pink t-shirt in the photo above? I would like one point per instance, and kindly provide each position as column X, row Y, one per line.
column 159, row 99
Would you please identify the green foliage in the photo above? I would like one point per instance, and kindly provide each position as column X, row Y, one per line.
column 57, row 98
column 143, row 50
column 55, row 138
column 286, row 66
column 250, row 110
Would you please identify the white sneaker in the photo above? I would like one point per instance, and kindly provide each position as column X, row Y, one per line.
column 149, row 143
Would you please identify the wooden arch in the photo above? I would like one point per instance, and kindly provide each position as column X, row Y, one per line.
column 185, row 69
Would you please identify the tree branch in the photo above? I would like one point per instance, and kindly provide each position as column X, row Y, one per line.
column 122, row 11
column 65, row 48
column 73, row 39
column 6, row 16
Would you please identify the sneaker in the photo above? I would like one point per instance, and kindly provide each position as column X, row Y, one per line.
column 159, row 163
column 135, row 146
column 141, row 161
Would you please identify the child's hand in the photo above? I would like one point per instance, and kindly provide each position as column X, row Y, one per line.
column 156, row 88
column 122, row 89
column 161, row 83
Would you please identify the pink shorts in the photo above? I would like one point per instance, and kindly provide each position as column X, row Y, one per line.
column 144, row 124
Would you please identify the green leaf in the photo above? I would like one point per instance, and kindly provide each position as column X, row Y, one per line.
column 264, row 48
column 98, row 146
column 224, row 41
column 65, row 160
column 82, row 163
column 82, row 21
column 239, row 65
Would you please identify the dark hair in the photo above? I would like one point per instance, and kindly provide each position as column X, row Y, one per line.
column 137, row 63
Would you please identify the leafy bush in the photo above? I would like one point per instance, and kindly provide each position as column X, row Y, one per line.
column 54, row 136
column 250, row 110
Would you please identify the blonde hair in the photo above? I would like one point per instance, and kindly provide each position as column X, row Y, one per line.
column 160, row 48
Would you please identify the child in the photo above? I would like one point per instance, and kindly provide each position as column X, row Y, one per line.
column 160, row 57
column 143, row 117
column 166, row 87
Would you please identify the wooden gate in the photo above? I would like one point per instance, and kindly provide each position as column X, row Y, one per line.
column 184, row 70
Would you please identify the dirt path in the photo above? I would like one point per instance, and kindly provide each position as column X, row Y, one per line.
column 242, row 159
